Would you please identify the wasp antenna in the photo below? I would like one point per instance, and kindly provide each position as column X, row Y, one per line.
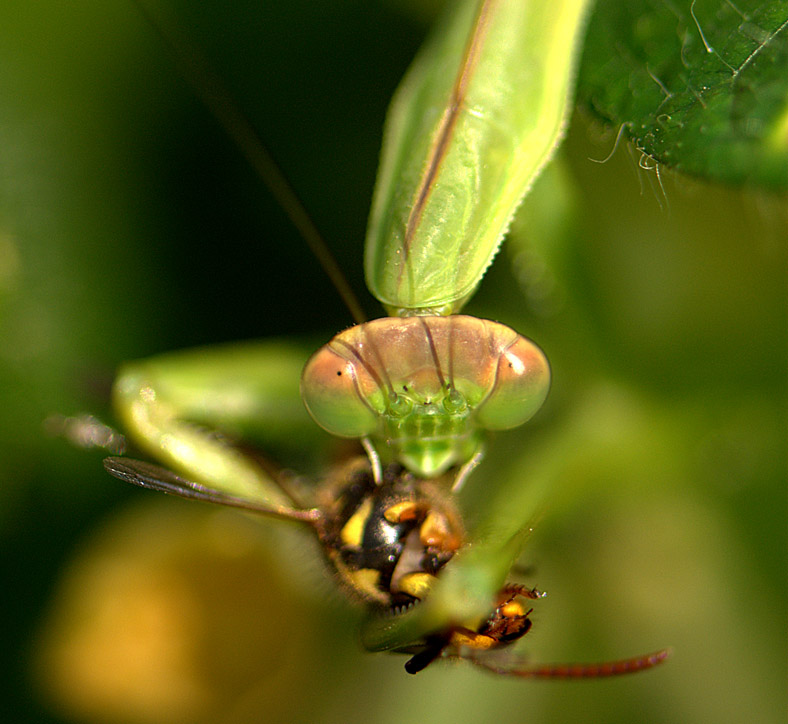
column 577, row 671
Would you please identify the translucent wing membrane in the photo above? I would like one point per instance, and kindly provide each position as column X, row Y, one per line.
column 154, row 477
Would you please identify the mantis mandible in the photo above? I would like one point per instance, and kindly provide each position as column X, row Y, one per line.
column 474, row 121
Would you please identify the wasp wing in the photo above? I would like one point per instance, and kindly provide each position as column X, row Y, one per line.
column 155, row 477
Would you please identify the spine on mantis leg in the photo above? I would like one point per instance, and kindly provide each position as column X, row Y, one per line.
column 479, row 113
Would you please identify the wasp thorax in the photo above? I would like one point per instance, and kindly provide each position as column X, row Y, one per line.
column 388, row 541
column 424, row 389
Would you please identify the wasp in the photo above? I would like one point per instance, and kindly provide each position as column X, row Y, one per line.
column 387, row 541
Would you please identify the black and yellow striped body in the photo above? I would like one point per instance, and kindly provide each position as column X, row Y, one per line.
column 388, row 541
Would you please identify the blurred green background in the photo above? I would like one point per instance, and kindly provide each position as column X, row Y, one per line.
column 129, row 225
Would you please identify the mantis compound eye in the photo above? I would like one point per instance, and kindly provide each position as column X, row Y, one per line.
column 330, row 391
column 522, row 381
column 425, row 388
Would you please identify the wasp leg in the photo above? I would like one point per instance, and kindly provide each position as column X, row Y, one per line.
column 433, row 649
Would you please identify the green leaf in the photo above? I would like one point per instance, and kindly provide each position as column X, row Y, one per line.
column 700, row 87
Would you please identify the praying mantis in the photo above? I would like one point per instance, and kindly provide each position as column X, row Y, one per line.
column 475, row 120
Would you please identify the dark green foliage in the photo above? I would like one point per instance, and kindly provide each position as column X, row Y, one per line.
column 700, row 87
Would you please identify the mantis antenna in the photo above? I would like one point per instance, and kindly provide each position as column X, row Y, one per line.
column 222, row 105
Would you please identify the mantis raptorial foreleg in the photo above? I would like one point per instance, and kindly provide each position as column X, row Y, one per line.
column 173, row 405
